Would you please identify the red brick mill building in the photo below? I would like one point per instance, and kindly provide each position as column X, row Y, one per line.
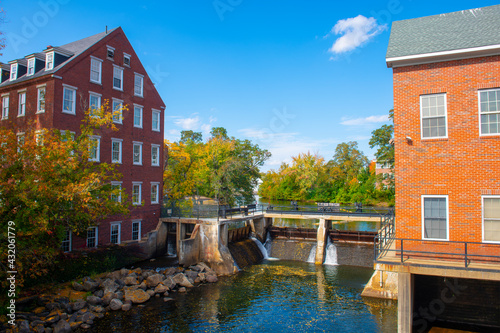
column 55, row 86
column 446, row 251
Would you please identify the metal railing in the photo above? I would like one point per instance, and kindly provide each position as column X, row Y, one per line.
column 385, row 236
column 184, row 209
column 460, row 251
column 328, row 211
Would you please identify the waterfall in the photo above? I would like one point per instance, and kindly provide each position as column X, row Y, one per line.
column 268, row 243
column 331, row 254
column 261, row 247
column 312, row 255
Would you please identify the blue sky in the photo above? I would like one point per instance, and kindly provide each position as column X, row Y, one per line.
column 292, row 76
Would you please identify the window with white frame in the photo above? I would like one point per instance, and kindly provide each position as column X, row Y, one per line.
column 117, row 78
column 155, row 193
column 21, row 111
column 137, row 153
column 491, row 218
column 5, row 107
column 489, row 108
column 138, row 115
column 20, row 141
column 94, row 103
column 117, row 111
column 92, row 239
column 116, row 150
column 95, row 149
column 138, row 84
column 435, row 217
column 95, row 70
column 111, row 53
column 69, row 100
column 40, row 102
column 116, row 188
column 126, row 59
column 31, row 66
column 156, row 121
column 13, row 71
column 136, row 193
column 155, row 155
column 39, row 137
column 433, row 116
column 66, row 243
column 115, row 233
column 49, row 61
column 136, row 230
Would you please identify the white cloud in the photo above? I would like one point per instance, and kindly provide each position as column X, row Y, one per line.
column 192, row 123
column 364, row 121
column 355, row 32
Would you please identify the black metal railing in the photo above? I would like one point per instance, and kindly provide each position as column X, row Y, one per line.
column 437, row 251
column 385, row 235
column 186, row 209
column 331, row 210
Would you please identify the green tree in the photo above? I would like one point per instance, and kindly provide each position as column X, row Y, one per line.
column 187, row 136
column 382, row 139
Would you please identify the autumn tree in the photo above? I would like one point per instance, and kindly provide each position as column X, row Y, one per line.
column 50, row 185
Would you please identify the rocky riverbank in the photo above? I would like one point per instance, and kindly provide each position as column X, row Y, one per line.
column 79, row 303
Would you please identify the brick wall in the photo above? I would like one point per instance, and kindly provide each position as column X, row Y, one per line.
column 463, row 166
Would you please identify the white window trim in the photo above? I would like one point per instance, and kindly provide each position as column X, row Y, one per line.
column 110, row 48
column 66, row 86
column 100, row 70
column 98, row 158
column 155, row 146
column 139, row 231
column 445, row 118
column 96, row 238
column 70, row 242
column 31, row 63
column 120, row 120
column 140, row 157
column 482, row 216
column 479, row 112
column 19, row 104
column 157, row 184
column 120, row 141
column 121, row 78
column 12, row 72
column 159, row 120
column 126, row 55
column 5, row 116
column 142, row 115
column 142, row 85
column 119, row 238
column 98, row 96
column 140, row 193
column 49, row 65
column 40, row 88
column 447, row 217
column 118, row 184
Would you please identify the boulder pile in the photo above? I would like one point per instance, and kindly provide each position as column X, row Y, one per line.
column 116, row 291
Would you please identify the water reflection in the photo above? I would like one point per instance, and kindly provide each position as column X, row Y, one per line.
column 270, row 297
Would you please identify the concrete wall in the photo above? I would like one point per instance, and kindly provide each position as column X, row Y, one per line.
column 353, row 254
column 189, row 253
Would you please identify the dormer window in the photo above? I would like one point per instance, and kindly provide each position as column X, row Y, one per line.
column 13, row 71
column 111, row 53
column 31, row 66
column 126, row 59
column 49, row 61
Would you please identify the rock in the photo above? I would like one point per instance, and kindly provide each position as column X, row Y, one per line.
column 37, row 322
column 181, row 280
column 48, row 330
column 64, row 316
column 88, row 317
column 143, row 285
column 77, row 286
column 84, row 326
column 106, row 299
column 165, row 293
column 205, row 268
column 62, row 327
column 211, row 278
column 39, row 310
column 74, row 325
column 196, row 268
column 115, row 304
column 169, row 282
column 94, row 300
column 147, row 274
column 52, row 318
column 182, row 289
column 99, row 309
column 99, row 293
column 126, row 306
column 169, row 271
column 109, row 286
column 202, row 277
column 24, row 326
column 38, row 328
column 67, row 307
column 62, row 300
column 153, row 280
column 78, row 305
column 161, row 288
column 89, row 285
column 197, row 280
column 137, row 271
column 124, row 272
column 191, row 274
column 167, row 299
column 137, row 296
column 130, row 288
column 130, row 280
column 150, row 292
column 119, row 295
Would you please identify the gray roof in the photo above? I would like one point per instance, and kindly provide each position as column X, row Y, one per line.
column 445, row 32
column 76, row 48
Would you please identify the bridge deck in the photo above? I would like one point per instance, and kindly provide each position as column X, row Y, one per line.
column 327, row 216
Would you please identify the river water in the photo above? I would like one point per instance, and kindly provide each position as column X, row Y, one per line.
column 273, row 296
